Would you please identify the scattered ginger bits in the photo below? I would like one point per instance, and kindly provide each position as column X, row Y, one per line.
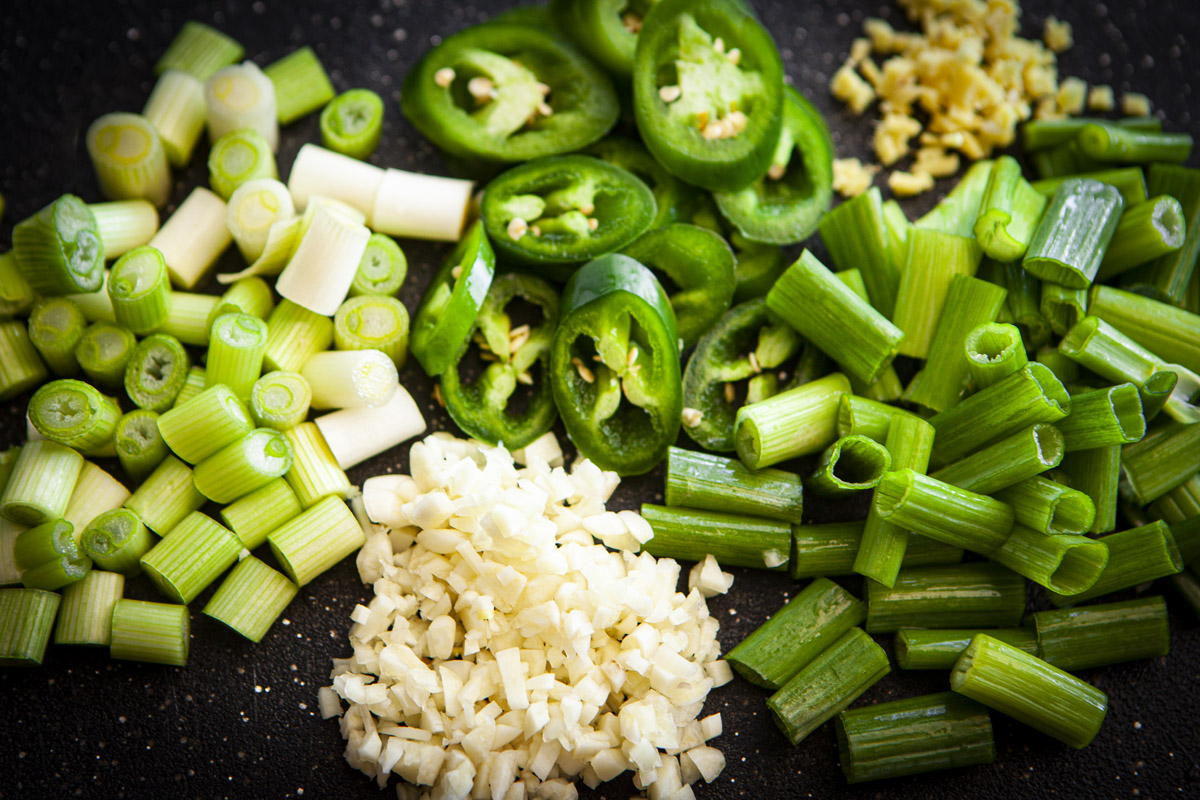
column 851, row 177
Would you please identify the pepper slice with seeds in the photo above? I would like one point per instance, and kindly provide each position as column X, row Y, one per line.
column 607, row 30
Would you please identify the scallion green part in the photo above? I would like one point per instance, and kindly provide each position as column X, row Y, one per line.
column 1096, row 473
column 352, row 123
column 917, row 648
column 116, row 541
column 140, row 290
column 124, row 225
column 1112, row 143
column 199, row 50
column 831, row 549
column 861, row 416
column 1024, row 306
column 957, row 211
column 1049, row 507
column 373, row 322
column 26, row 621
column 994, row 351
column 192, row 387
column 851, row 464
column 214, row 419
column 857, row 238
column 280, row 400
column 176, row 109
column 248, row 464
column 1104, row 417
column 10, row 573
column 1167, row 277
column 1187, row 538
column 197, row 550
column 1062, row 563
column 315, row 473
column 1168, row 332
column 166, row 496
column 1011, row 460
column 96, row 491
column 1043, row 133
column 797, row 422
column 16, row 295
column 156, row 372
column 59, row 250
column 235, row 354
column 75, row 414
column 40, row 485
column 711, row 482
column 1063, row 160
column 140, row 446
column 382, row 268
column 1096, row 636
column 301, row 85
column 246, row 296
column 85, row 613
column 732, row 539
column 934, row 260
column 55, row 328
column 103, row 352
column 21, row 367
column 1180, row 504
column 940, row 511
column 158, row 633
column 313, row 542
column 1135, row 556
column 1061, row 307
column 255, row 515
column 187, row 317
column 1008, row 213
column 1129, row 181
column 251, row 598
column 1071, row 240
column 1146, row 232
column 1166, row 458
column 294, row 335
column 238, row 157
column 972, row 595
column 129, row 159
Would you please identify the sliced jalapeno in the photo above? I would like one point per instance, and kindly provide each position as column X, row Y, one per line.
column 676, row 200
column 607, row 30
column 758, row 265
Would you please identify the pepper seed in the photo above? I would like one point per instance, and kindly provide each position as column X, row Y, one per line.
column 583, row 371
column 692, row 417
column 729, row 393
column 670, row 94
column 444, row 77
column 517, row 228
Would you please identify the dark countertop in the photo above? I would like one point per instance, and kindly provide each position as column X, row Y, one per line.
column 240, row 720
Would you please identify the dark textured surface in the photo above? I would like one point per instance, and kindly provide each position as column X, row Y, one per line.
column 240, row 720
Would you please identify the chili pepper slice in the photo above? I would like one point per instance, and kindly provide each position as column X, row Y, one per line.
column 614, row 366
column 442, row 324
column 700, row 264
column 785, row 205
column 555, row 213
column 607, row 30
column 508, row 92
column 758, row 265
column 708, row 91
column 676, row 200
column 747, row 344
column 520, row 355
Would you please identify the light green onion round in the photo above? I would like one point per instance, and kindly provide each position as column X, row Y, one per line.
column 352, row 123
column 382, row 269
column 129, row 158
column 238, row 157
column 258, row 458
column 75, row 414
column 372, row 322
column 140, row 290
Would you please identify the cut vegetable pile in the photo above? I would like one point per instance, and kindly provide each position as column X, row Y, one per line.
column 1013, row 380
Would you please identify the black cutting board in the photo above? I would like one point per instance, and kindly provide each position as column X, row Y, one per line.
column 240, row 720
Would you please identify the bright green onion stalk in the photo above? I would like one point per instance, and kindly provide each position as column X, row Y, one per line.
column 41, row 483
column 1063, row 160
column 280, row 400
column 205, row 424
column 255, row 515
column 192, row 387
column 1135, row 556
column 1168, row 332
column 1187, row 538
column 1062, row 308
column 733, row 539
column 913, row 736
column 943, row 512
column 1061, row 563
column 1129, row 181
column 352, row 123
column 59, row 250
column 972, row 595
column 851, row 464
column 16, row 295
column 140, row 446
column 156, row 372
column 1049, row 507
column 1179, row 504
column 301, row 85
column 1146, row 232
column 373, row 322
column 1096, row 473
column 831, row 549
column 48, row 556
column 176, row 110
column 934, row 259
column 248, row 464
column 21, row 367
column 251, row 598
column 103, row 352
column 796, row 634
column 1167, row 277
column 1044, row 133
column 157, row 633
column 994, row 351
column 26, row 621
column 246, row 296
column 235, row 353
column 827, row 684
column 1070, row 242
column 1031, row 691
column 1011, row 460
column 917, row 648
column 320, row 537
column 187, row 317
column 315, row 473
column 239, row 157
column 857, row 238
column 294, row 335
column 129, row 159
column 85, row 613
column 75, row 414
column 199, row 50
column 1024, row 305
column 797, row 422
column 886, row 388
column 957, row 211
column 861, row 416
column 95, row 493
column 1112, row 143
column 1096, row 636
column 1104, row 417
column 8, row 459
column 711, row 482
column 382, row 268
column 1009, row 212
column 195, row 553
column 1166, row 458
column 166, row 496
column 140, row 290
column 350, row 378
column 116, row 541
column 193, row 237
column 123, row 225
column 1066, row 370
column 55, row 328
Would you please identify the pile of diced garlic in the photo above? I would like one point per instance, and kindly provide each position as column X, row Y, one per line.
column 517, row 641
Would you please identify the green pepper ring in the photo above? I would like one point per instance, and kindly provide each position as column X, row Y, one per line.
column 675, row 199
column 595, row 27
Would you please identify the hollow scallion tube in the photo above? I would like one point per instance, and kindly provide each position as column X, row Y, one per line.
column 75, row 414
column 1179, row 504
column 1095, row 636
column 1062, row 563
column 140, row 290
column 301, row 85
column 166, row 496
column 1009, row 212
column 248, row 464
column 315, row 473
column 1011, row 460
column 1187, row 587
column 1163, row 460
column 832, row 316
column 973, row 595
column 187, row 317
column 918, row 648
column 1043, row 133
column 1070, row 242
column 199, row 50
column 183, row 564
column 1135, row 556
column 831, row 548
column 156, row 372
column 970, row 302
column 95, row 492
column 796, row 634
column 956, row 212
column 1187, row 538
column 1129, row 181
column 1066, row 370
column 1146, row 232
column 192, row 387
column 994, row 351
column 1029, row 690
column 352, row 123
column 40, row 485
column 238, row 157
column 85, row 613
column 129, row 159
column 251, row 598
column 240, row 97
column 1168, row 332
column 254, row 209
column 1031, row 395
column 1063, row 160
column 193, row 237
column 934, row 259
column 10, row 573
column 856, row 235
column 116, row 541
column 1167, row 277
column 26, row 622
column 313, row 542
column 157, row 633
column 382, row 268
column 55, row 328
column 1049, row 507
column 8, row 459
column 372, row 322
column 294, row 335
column 255, row 515
column 797, row 422
column 21, row 367
column 245, row 296
column 827, row 684
column 280, row 400
column 1104, row 417
column 354, row 435
column 715, row 483
column 943, row 512
column 49, row 557
column 851, row 464
column 861, row 416
column 176, row 110
column 884, row 542
column 16, row 295
column 235, row 352
column 350, row 378
column 214, row 419
column 1109, row 143
column 140, row 446
column 103, row 352
column 733, row 539
column 1061, row 307
column 912, row 736
column 1024, row 305
column 58, row 249
column 1096, row 473
column 124, row 224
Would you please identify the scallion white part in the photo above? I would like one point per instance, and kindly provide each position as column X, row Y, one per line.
column 421, row 206
column 252, row 209
column 95, row 492
column 317, row 171
column 124, row 225
column 194, row 237
column 357, row 434
column 320, row 272
column 177, row 110
column 350, row 378
column 96, row 306
column 10, row 574
column 241, row 96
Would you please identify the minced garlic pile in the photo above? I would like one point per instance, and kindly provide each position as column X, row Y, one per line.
column 506, row 652
column 971, row 76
